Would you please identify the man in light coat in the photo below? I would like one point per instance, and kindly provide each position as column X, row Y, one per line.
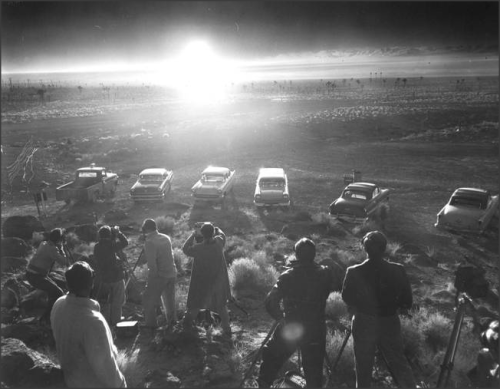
column 162, row 274
column 84, row 342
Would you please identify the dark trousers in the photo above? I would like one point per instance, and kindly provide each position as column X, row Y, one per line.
column 48, row 285
column 277, row 351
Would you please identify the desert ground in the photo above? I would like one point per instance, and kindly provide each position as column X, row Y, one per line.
column 422, row 139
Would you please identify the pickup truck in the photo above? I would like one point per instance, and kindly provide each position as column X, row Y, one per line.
column 90, row 183
column 215, row 183
column 359, row 201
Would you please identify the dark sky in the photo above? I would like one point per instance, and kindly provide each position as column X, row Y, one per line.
column 45, row 34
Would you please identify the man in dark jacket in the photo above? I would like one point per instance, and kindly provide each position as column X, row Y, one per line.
column 111, row 272
column 303, row 289
column 374, row 291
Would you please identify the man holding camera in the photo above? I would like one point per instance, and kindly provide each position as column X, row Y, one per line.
column 297, row 302
column 162, row 273
column 375, row 291
column 111, row 272
column 209, row 285
column 40, row 266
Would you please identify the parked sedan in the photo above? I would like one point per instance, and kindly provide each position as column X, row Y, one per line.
column 152, row 185
column 271, row 188
column 359, row 200
column 469, row 209
column 215, row 183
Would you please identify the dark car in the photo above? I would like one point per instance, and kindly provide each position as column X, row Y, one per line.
column 359, row 200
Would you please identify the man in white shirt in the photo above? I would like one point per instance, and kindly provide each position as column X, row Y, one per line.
column 83, row 338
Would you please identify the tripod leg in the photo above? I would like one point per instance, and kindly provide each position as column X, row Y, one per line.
column 344, row 343
column 257, row 356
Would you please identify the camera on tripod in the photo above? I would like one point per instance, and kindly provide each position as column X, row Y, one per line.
column 471, row 281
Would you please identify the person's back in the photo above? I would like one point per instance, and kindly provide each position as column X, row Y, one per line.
column 83, row 338
column 159, row 247
column 305, row 289
column 377, row 287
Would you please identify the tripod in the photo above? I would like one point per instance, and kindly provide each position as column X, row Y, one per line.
column 449, row 357
column 131, row 275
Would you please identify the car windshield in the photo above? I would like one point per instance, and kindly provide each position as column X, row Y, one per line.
column 87, row 174
column 212, row 178
column 274, row 183
column 147, row 178
column 467, row 202
column 354, row 194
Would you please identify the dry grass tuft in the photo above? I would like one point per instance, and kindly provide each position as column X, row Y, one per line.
column 249, row 278
column 344, row 372
column 130, row 366
column 165, row 224
column 335, row 308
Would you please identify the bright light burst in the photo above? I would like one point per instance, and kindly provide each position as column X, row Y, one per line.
column 200, row 75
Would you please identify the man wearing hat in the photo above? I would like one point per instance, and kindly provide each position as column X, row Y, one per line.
column 209, row 285
column 40, row 266
column 374, row 291
column 162, row 273
column 83, row 338
column 302, row 290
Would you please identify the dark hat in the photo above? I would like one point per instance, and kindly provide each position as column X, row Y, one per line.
column 79, row 277
column 56, row 235
column 374, row 242
column 305, row 250
column 207, row 230
column 149, row 225
column 105, row 232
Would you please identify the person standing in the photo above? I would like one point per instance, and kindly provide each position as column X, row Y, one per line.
column 84, row 343
column 209, row 285
column 302, row 290
column 374, row 291
column 111, row 271
column 40, row 266
column 162, row 273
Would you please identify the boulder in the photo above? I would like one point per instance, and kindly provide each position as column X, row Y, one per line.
column 161, row 379
column 33, row 302
column 24, row 367
column 9, row 298
column 9, row 264
column 14, row 247
column 29, row 332
column 21, row 227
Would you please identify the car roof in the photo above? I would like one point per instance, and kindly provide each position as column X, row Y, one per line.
column 90, row 168
column 361, row 185
column 216, row 170
column 471, row 192
column 153, row 171
column 271, row 172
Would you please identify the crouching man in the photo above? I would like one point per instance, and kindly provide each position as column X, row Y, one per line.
column 83, row 338
column 303, row 289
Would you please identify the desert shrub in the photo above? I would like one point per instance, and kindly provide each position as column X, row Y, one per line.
column 281, row 245
column 346, row 257
column 130, row 367
column 237, row 247
column 344, row 372
column 165, row 224
column 333, row 226
column 436, row 329
column 335, row 307
column 180, row 259
column 383, row 212
column 141, row 273
column 366, row 226
column 392, row 249
column 247, row 278
column 121, row 154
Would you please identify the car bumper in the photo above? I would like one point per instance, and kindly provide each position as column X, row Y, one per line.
column 272, row 203
column 349, row 217
column 209, row 197
column 451, row 227
column 148, row 197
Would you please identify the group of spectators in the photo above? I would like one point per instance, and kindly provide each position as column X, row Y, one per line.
column 375, row 291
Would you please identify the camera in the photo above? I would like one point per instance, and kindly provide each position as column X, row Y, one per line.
column 471, row 281
column 115, row 230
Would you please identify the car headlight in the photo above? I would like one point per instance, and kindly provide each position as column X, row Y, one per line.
column 158, row 189
column 219, row 191
column 285, row 195
column 257, row 196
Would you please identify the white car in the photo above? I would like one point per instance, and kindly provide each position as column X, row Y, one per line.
column 469, row 210
column 271, row 188
column 214, row 185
